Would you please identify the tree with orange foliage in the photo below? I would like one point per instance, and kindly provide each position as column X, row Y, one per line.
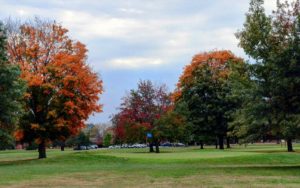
column 206, row 88
column 62, row 89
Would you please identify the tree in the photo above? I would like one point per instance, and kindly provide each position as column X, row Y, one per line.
column 273, row 42
column 107, row 140
column 81, row 139
column 205, row 87
column 94, row 134
column 6, row 140
column 172, row 126
column 138, row 113
column 98, row 131
column 62, row 89
column 11, row 92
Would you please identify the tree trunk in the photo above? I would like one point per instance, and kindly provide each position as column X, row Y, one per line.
column 42, row 150
column 201, row 144
column 228, row 142
column 236, row 140
column 151, row 147
column 157, row 147
column 289, row 145
column 62, row 146
column 221, row 141
column 216, row 143
column 277, row 141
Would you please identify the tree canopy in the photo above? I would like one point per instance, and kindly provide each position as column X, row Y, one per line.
column 62, row 89
column 11, row 92
column 273, row 42
column 139, row 111
column 206, row 88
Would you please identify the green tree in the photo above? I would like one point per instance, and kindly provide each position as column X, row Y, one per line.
column 244, row 126
column 206, row 88
column 273, row 42
column 6, row 140
column 11, row 92
column 107, row 140
column 82, row 139
column 172, row 126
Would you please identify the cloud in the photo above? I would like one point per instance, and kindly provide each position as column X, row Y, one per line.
column 88, row 26
column 133, row 63
column 132, row 28
column 131, row 11
column 20, row 11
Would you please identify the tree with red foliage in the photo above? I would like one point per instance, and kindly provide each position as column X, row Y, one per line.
column 138, row 113
column 62, row 89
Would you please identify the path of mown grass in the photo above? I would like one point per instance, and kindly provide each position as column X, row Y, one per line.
column 259, row 165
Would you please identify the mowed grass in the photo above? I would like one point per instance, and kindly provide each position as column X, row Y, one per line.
column 254, row 166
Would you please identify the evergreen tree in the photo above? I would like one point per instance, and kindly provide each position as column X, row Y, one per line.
column 107, row 140
column 11, row 92
column 273, row 41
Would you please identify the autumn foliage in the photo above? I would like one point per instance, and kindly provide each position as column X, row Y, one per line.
column 216, row 60
column 206, row 89
column 139, row 111
column 62, row 89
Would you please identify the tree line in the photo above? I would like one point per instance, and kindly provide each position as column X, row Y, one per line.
column 220, row 95
column 47, row 90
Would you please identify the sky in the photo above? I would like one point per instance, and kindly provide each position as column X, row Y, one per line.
column 132, row 40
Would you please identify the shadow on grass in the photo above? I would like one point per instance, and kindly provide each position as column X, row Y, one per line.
column 17, row 162
column 281, row 170
column 275, row 151
column 255, row 166
column 70, row 158
column 147, row 152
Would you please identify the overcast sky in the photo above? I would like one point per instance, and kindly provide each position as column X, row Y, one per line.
column 132, row 40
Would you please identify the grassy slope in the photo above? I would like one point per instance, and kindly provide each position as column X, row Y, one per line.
column 263, row 166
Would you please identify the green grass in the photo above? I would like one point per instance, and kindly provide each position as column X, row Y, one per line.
column 254, row 166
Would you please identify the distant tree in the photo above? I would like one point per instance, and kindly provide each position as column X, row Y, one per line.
column 94, row 133
column 6, row 140
column 98, row 131
column 118, row 128
column 205, row 87
column 138, row 113
column 82, row 139
column 172, row 126
column 12, row 89
column 273, row 42
column 70, row 142
column 107, row 140
column 62, row 89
